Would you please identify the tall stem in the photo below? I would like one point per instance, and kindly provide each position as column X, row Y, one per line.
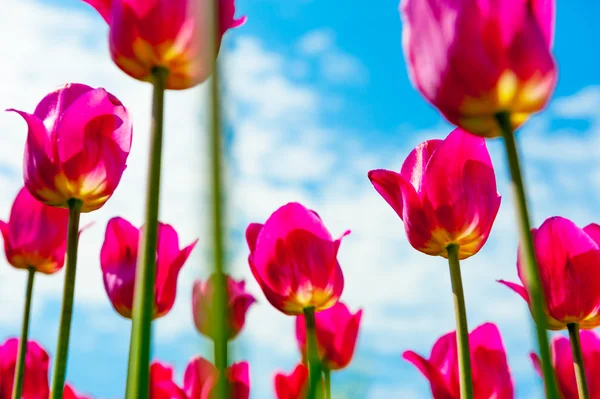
column 532, row 274
column 312, row 353
column 327, row 375
column 138, row 373
column 462, row 329
column 66, row 314
column 21, row 356
column 582, row 386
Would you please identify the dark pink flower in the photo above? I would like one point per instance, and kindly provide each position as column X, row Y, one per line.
column 118, row 259
column 292, row 386
column 35, row 383
column 173, row 34
column 201, row 377
column 203, row 303
column 562, row 361
column 475, row 58
column 568, row 260
column 337, row 330
column 70, row 393
column 35, row 235
column 445, row 194
column 162, row 385
column 491, row 375
column 294, row 259
column 77, row 146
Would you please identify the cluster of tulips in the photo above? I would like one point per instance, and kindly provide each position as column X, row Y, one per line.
column 486, row 65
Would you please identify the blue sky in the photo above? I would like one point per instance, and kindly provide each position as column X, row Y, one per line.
column 317, row 94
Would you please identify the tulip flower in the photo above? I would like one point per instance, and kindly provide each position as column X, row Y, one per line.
column 173, row 35
column 292, row 386
column 201, row 377
column 35, row 235
column 35, row 385
column 70, row 393
column 337, row 330
column 475, row 59
column 568, row 259
column 77, row 146
column 161, row 383
column 491, row 375
column 118, row 259
column 562, row 362
column 203, row 305
column 445, row 194
column 294, row 259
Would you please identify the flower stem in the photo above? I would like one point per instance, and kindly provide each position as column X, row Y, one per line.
column 462, row 329
column 312, row 355
column 20, row 368
column 138, row 373
column 532, row 274
column 327, row 375
column 582, row 386
column 62, row 347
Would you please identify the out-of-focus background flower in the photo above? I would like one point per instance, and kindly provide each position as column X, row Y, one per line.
column 317, row 94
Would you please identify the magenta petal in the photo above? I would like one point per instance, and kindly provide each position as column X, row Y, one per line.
column 103, row 8
column 239, row 378
column 413, row 168
column 429, row 371
column 519, row 289
column 252, row 233
column 537, row 365
column 593, row 230
column 200, row 378
column 389, row 185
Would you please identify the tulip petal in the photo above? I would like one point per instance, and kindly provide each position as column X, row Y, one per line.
column 292, row 386
column 238, row 375
column 200, row 378
column 436, row 380
column 389, row 185
column 413, row 168
column 519, row 289
column 593, row 230
column 103, row 8
column 252, row 233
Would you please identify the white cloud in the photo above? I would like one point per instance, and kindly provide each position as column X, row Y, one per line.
column 316, row 42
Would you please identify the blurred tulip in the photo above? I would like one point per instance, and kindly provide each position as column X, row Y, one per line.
column 491, row 375
column 162, row 385
column 70, row 393
column 473, row 59
column 292, row 386
column 77, row 146
column 445, row 194
column 175, row 34
column 201, row 377
column 294, row 260
column 337, row 330
column 568, row 259
column 562, row 361
column 35, row 235
column 118, row 259
column 35, row 385
column 203, row 303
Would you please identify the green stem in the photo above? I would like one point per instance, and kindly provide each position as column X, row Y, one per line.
column 531, row 271
column 138, row 373
column 66, row 314
column 312, row 353
column 327, row 375
column 462, row 329
column 582, row 386
column 21, row 356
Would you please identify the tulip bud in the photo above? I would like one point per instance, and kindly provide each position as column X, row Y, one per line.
column 35, row 383
column 162, row 385
column 201, row 376
column 292, row 386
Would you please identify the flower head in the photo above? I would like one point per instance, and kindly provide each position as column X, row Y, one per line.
column 118, row 259
column 77, row 146
column 292, row 386
column 203, row 305
column 70, row 393
column 35, row 235
column 473, row 59
column 201, row 377
column 445, row 194
column 294, row 259
column 337, row 330
column 171, row 34
column 35, row 383
column 162, row 385
column 568, row 259
column 491, row 375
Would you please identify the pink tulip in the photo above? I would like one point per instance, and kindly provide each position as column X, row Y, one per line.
column 568, row 259
column 294, row 385
column 475, row 58
column 294, row 259
column 174, row 34
column 491, row 375
column 337, row 330
column 445, row 194
column 118, row 260
column 562, row 361
column 202, row 305
column 162, row 385
column 35, row 384
column 201, row 377
column 35, row 235
column 70, row 393
column 77, row 146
